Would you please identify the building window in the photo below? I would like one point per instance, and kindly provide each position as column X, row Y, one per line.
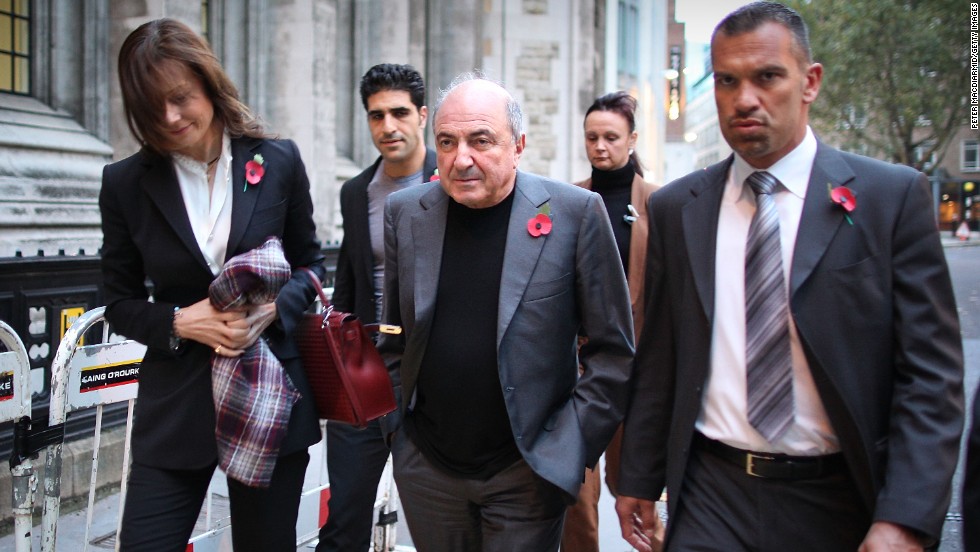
column 629, row 21
column 970, row 156
column 204, row 20
column 15, row 46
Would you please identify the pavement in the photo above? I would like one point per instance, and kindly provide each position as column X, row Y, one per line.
column 952, row 241
column 101, row 536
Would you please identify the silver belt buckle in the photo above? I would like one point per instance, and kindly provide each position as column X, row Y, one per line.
column 750, row 463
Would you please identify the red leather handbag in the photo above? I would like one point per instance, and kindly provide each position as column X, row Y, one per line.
column 349, row 379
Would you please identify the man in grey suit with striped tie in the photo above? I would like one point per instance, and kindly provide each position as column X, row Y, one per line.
column 798, row 382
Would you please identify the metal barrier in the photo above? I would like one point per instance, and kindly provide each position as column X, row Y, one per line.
column 83, row 376
column 106, row 373
column 15, row 406
column 39, row 298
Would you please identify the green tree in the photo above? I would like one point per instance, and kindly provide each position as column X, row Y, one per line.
column 896, row 74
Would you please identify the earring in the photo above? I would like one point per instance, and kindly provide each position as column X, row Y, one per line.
column 631, row 151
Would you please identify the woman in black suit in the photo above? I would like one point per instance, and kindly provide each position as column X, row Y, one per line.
column 172, row 214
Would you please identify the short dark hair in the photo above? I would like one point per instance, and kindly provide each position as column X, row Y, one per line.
column 625, row 105
column 140, row 59
column 391, row 76
column 752, row 16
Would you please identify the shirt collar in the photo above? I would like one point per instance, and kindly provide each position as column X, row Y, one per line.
column 193, row 164
column 792, row 170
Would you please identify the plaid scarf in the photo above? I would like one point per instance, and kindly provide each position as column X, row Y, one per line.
column 253, row 396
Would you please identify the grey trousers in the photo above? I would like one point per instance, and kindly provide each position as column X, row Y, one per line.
column 515, row 510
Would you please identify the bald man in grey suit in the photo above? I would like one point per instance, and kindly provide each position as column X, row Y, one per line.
column 493, row 274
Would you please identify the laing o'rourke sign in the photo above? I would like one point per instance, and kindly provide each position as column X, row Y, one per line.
column 6, row 386
column 108, row 375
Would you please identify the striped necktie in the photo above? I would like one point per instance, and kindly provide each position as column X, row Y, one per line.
column 769, row 370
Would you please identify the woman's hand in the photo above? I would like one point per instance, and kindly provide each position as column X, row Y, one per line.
column 259, row 317
column 229, row 333
column 222, row 331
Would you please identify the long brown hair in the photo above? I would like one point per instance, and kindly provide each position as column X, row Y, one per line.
column 140, row 61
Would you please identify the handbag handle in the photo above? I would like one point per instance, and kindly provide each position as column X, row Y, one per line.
column 319, row 287
column 383, row 328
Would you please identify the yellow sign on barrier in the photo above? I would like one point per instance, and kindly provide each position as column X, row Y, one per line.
column 68, row 317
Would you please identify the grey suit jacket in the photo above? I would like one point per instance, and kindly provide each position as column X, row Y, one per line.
column 552, row 288
column 874, row 309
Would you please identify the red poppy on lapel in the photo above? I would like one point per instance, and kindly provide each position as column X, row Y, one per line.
column 254, row 171
column 539, row 225
column 844, row 197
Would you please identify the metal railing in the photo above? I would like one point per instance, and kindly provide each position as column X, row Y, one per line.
column 15, row 406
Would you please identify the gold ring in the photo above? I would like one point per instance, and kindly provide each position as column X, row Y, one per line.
column 217, row 350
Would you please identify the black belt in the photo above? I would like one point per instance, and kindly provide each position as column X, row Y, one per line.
column 772, row 465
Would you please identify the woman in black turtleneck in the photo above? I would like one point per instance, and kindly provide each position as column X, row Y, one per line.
column 617, row 176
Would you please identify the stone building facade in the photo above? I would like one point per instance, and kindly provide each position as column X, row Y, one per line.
column 298, row 63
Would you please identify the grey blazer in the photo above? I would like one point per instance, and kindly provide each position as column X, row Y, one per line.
column 874, row 309
column 552, row 288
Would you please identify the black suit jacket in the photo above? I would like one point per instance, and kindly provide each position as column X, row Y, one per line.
column 354, row 282
column 147, row 236
column 875, row 312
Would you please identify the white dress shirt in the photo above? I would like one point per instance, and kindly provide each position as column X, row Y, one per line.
column 209, row 211
column 723, row 414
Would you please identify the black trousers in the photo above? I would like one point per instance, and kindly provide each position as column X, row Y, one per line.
column 162, row 506
column 723, row 509
column 355, row 460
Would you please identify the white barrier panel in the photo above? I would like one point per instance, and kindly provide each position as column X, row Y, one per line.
column 15, row 377
column 15, row 404
column 85, row 377
column 105, row 373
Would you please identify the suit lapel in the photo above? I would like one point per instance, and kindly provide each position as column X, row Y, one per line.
column 244, row 197
column 428, row 235
column 821, row 218
column 700, row 222
column 522, row 250
column 160, row 185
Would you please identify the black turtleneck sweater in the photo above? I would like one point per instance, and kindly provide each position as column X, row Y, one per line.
column 615, row 186
column 459, row 420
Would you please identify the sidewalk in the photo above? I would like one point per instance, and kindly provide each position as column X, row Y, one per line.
column 102, row 536
column 71, row 526
column 952, row 241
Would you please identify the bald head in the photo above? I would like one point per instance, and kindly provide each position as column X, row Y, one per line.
column 478, row 142
column 473, row 86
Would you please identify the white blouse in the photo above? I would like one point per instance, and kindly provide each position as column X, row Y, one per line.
column 209, row 214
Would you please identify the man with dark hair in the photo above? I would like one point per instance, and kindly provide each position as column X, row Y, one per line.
column 799, row 381
column 393, row 96
column 493, row 273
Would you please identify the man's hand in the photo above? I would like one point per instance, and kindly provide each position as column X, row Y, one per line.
column 638, row 522
column 889, row 537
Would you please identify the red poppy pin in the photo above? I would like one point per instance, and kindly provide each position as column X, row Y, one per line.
column 540, row 224
column 844, row 197
column 435, row 176
column 254, row 171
